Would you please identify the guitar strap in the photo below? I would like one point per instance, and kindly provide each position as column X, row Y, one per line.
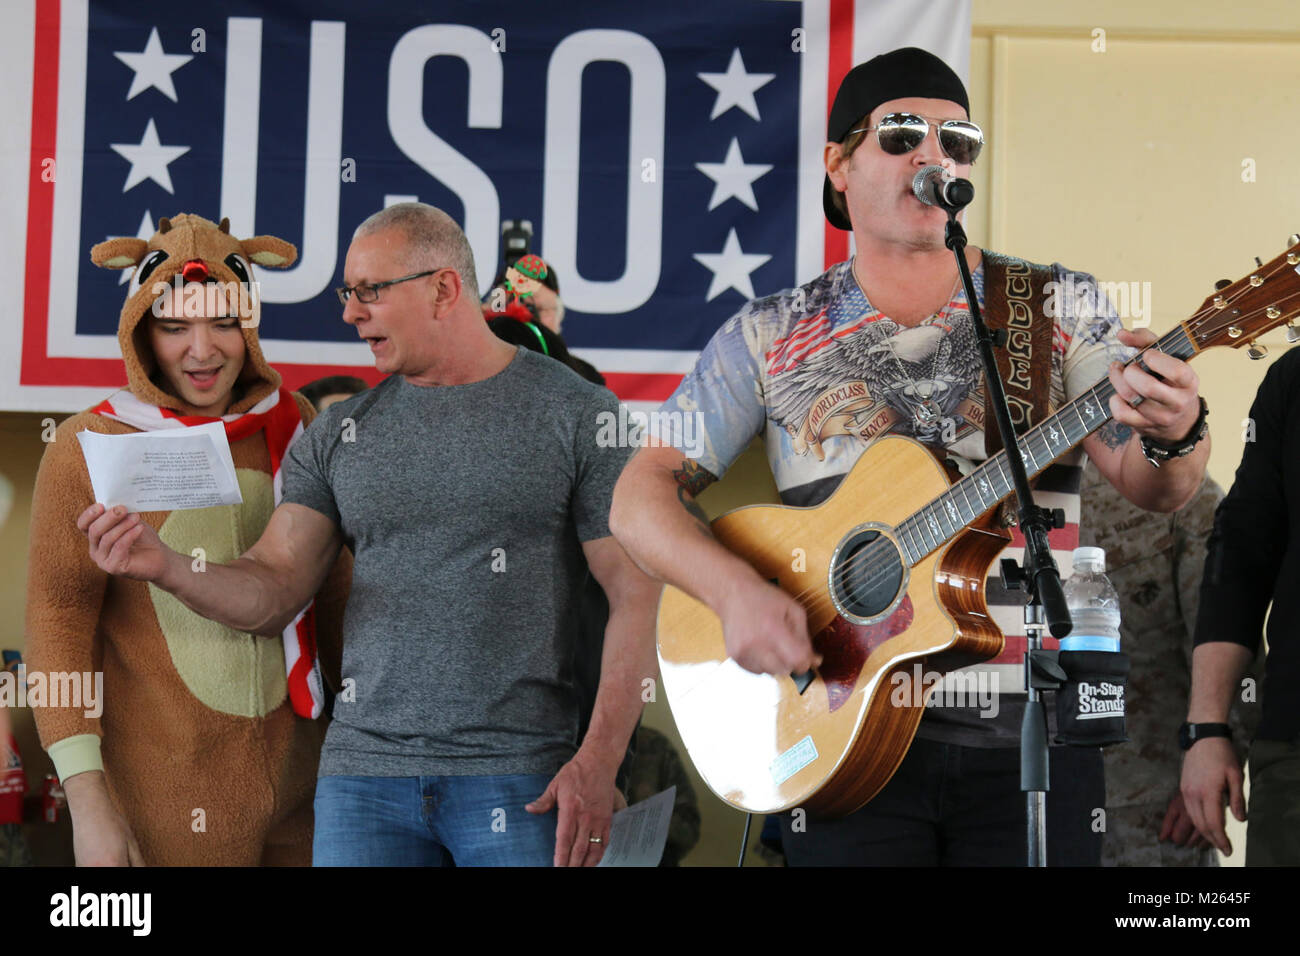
column 1015, row 298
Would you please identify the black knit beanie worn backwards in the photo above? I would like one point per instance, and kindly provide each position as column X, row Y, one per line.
column 902, row 73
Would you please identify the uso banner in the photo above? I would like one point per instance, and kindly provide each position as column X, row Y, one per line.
column 668, row 155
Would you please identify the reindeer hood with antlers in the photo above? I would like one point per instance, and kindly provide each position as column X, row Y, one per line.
column 190, row 249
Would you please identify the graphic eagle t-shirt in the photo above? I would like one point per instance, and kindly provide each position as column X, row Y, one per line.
column 821, row 374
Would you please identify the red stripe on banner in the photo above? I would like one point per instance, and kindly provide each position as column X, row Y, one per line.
column 642, row 386
column 40, row 194
column 839, row 62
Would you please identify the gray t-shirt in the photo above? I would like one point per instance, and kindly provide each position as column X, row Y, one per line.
column 464, row 507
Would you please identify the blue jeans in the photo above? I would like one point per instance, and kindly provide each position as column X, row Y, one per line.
column 432, row 821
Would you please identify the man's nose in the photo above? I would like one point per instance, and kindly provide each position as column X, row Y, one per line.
column 202, row 345
column 930, row 152
column 354, row 311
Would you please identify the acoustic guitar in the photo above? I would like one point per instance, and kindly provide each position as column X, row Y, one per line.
column 891, row 570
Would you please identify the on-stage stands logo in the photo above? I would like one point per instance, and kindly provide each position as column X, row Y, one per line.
column 1100, row 700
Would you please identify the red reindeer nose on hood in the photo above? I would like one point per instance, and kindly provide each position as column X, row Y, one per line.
column 196, row 270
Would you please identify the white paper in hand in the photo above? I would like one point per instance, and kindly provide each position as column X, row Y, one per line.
column 638, row 834
column 170, row 469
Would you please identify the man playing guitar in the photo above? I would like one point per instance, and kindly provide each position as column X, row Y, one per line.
column 883, row 344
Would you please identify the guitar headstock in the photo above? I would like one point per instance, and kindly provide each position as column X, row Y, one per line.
column 1242, row 311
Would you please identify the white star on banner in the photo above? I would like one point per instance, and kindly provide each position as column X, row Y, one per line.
column 153, row 68
column 736, row 87
column 731, row 268
column 733, row 177
column 149, row 159
column 145, row 232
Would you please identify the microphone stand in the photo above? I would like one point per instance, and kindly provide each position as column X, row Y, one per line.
column 1039, row 576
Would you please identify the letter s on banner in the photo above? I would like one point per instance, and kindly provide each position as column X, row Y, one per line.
column 645, row 200
column 430, row 151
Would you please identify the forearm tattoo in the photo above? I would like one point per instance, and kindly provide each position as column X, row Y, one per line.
column 691, row 480
column 1115, row 435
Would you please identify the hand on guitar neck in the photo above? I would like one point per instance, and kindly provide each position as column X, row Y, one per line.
column 656, row 519
column 1156, row 397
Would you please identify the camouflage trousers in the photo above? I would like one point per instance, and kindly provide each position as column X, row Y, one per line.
column 1130, row 840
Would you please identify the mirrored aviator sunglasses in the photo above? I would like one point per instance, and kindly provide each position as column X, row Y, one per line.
column 898, row 133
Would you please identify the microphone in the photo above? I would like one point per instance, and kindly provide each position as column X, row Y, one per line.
column 934, row 187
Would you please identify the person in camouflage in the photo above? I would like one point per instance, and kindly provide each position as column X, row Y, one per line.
column 655, row 767
column 1155, row 562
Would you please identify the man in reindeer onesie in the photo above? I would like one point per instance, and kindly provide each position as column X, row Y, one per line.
column 206, row 748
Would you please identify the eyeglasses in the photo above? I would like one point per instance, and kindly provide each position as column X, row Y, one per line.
column 369, row 292
column 899, row 133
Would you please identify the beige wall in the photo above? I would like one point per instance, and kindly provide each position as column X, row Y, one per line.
column 1125, row 163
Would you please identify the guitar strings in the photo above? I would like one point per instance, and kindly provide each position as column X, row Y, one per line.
column 882, row 565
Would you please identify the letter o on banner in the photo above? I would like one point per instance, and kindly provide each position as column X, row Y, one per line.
column 645, row 200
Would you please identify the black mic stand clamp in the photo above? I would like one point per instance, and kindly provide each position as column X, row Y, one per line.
column 1040, row 577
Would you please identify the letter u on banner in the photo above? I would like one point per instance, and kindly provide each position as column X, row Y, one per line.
column 320, row 227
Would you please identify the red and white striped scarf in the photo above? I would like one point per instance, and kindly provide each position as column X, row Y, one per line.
column 277, row 415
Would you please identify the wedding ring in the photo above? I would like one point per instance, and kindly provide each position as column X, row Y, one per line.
column 595, row 839
column 1137, row 401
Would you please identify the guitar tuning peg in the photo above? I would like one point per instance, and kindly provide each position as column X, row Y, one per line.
column 1256, row 351
column 1258, row 263
column 1222, row 284
column 1293, row 240
column 1293, row 333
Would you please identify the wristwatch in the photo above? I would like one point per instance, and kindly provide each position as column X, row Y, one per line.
column 1156, row 453
column 1189, row 734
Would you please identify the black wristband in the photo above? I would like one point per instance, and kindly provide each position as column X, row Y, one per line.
column 1155, row 452
column 1189, row 734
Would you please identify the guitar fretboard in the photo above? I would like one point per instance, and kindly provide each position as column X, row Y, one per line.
column 949, row 514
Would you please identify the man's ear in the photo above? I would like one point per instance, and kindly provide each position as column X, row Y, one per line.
column 120, row 253
column 836, row 164
column 269, row 251
column 447, row 291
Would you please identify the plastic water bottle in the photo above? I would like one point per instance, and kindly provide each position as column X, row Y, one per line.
column 1093, row 602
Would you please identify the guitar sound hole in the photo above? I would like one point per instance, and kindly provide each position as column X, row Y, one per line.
column 867, row 575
